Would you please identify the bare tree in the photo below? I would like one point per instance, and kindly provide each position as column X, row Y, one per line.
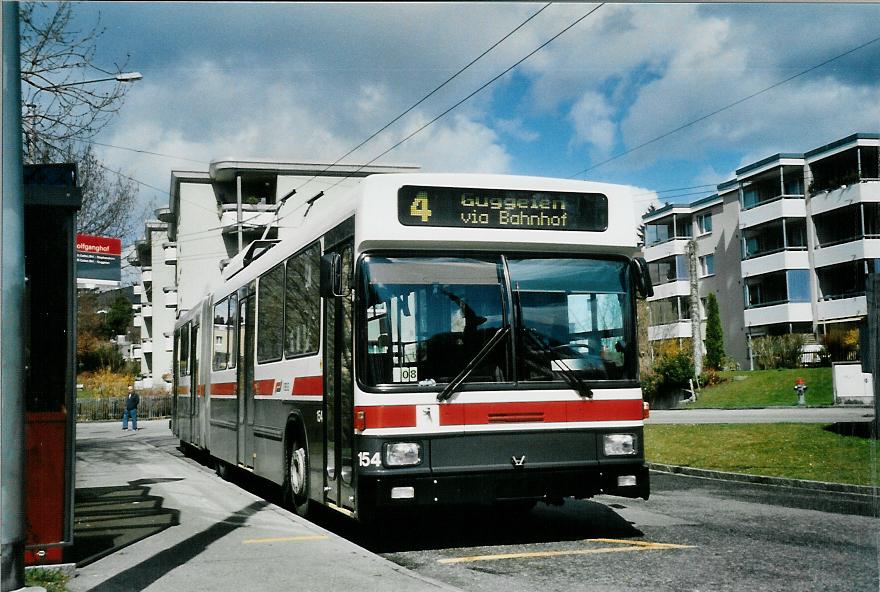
column 56, row 58
column 109, row 198
column 62, row 110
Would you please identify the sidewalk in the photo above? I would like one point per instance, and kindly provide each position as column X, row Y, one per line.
column 148, row 518
column 764, row 415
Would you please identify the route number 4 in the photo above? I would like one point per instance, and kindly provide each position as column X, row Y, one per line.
column 365, row 460
column 419, row 207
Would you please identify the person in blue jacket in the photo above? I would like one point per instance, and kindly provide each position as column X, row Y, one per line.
column 131, row 409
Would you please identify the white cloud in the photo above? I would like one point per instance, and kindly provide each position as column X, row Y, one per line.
column 312, row 80
column 593, row 124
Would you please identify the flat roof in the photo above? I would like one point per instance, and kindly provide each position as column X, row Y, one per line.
column 226, row 169
column 853, row 139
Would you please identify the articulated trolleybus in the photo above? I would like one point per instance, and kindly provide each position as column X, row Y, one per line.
column 427, row 340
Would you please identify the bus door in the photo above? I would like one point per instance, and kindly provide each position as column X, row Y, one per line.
column 245, row 377
column 339, row 389
column 194, row 385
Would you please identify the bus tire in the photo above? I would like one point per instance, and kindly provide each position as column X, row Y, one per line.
column 223, row 469
column 296, row 472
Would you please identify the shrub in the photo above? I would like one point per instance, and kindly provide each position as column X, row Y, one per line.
column 711, row 377
column 841, row 345
column 105, row 383
column 671, row 374
column 778, row 351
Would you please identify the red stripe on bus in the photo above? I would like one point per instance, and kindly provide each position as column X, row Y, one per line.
column 389, row 416
column 540, row 412
column 308, row 385
column 182, row 390
column 201, row 390
column 264, row 387
column 223, row 389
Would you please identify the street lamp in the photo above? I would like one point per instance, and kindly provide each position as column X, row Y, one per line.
column 31, row 117
column 121, row 77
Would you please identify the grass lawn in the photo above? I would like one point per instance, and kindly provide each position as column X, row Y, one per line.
column 767, row 388
column 51, row 580
column 795, row 451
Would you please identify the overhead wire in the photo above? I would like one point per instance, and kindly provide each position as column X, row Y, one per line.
column 726, row 107
column 469, row 96
column 430, row 94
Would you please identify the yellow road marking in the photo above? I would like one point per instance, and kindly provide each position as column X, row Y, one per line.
column 626, row 546
column 289, row 539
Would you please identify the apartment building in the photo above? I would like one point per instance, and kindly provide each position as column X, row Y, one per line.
column 212, row 217
column 155, row 319
column 790, row 242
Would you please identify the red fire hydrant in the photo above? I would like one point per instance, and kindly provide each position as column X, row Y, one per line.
column 801, row 388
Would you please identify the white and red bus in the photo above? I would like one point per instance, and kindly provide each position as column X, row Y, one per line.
column 428, row 340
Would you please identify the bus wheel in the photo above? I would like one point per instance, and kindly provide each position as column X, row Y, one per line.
column 296, row 475
column 222, row 469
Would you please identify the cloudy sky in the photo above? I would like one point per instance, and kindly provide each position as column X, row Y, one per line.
column 310, row 81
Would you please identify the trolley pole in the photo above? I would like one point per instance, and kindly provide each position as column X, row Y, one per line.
column 12, row 284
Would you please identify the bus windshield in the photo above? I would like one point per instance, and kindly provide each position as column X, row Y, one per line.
column 426, row 318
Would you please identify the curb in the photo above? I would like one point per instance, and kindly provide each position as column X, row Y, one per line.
column 866, row 490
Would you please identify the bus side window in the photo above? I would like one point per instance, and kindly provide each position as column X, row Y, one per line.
column 183, row 352
column 302, row 303
column 221, row 335
column 270, row 314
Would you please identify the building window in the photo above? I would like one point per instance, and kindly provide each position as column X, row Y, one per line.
column 707, row 265
column 798, row 285
column 303, row 303
column 270, row 314
column 704, row 223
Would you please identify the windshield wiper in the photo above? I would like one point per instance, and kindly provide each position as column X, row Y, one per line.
column 450, row 388
column 550, row 355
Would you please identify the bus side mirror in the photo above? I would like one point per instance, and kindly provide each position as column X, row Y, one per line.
column 642, row 277
column 331, row 275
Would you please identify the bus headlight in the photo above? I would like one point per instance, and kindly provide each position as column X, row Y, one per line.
column 403, row 454
column 619, row 444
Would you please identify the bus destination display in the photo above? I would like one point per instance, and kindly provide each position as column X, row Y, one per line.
column 501, row 208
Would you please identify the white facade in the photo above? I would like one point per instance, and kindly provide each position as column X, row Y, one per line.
column 153, row 318
column 805, row 235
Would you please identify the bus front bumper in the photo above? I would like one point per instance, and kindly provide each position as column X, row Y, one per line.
column 389, row 491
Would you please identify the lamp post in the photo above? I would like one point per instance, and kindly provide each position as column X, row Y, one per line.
column 30, row 119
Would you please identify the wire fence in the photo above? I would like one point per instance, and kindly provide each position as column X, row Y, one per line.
column 112, row 407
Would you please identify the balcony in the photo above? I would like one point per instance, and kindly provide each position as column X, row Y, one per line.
column 253, row 216
column 147, row 346
column 170, row 297
column 681, row 329
column 784, row 312
column 147, row 275
column 169, row 341
column 838, row 309
column 137, row 289
column 782, row 206
column 788, row 289
column 170, row 253
column 859, row 192
column 780, row 260
column 147, row 310
column 845, row 168
column 842, row 282
column 137, row 321
column 670, row 248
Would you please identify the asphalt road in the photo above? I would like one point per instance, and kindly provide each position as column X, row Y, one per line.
column 693, row 534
